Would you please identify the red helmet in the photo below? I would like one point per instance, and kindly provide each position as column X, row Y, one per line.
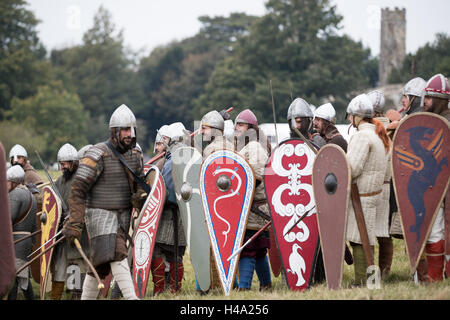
column 437, row 87
column 247, row 116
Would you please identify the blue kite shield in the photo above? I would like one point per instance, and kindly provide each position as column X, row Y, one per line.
column 420, row 172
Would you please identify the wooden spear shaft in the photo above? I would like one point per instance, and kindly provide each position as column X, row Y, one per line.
column 80, row 250
column 40, row 254
column 28, row 236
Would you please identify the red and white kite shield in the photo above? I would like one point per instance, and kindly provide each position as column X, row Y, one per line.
column 288, row 183
column 227, row 185
column 420, row 172
column 145, row 233
column 51, row 207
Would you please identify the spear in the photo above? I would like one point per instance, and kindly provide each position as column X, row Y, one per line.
column 273, row 110
column 59, row 232
column 249, row 240
column 28, row 236
column 301, row 218
column 80, row 250
column 40, row 254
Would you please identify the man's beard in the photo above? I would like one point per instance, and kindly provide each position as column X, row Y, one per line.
column 67, row 174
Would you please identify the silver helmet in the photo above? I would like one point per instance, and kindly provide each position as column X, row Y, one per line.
column 15, row 174
column 378, row 100
column 67, row 153
column 123, row 117
column 17, row 151
column 414, row 87
column 176, row 131
column 213, row 119
column 361, row 106
column 326, row 112
column 299, row 108
column 162, row 132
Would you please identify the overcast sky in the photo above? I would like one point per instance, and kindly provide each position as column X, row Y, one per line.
column 149, row 23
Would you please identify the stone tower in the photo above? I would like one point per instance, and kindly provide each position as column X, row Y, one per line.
column 392, row 41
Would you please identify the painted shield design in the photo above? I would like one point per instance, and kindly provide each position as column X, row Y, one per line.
column 51, row 207
column 331, row 185
column 227, row 184
column 186, row 164
column 420, row 172
column 145, row 233
column 288, row 182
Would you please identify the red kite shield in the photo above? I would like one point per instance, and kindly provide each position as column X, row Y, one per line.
column 420, row 172
column 145, row 233
column 227, row 184
column 288, row 183
column 51, row 207
column 331, row 184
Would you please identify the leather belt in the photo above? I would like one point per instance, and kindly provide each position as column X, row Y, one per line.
column 370, row 194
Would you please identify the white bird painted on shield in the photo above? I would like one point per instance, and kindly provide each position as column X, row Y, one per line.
column 297, row 264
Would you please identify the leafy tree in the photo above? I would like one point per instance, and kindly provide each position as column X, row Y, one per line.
column 101, row 71
column 297, row 47
column 53, row 114
column 22, row 63
column 427, row 61
column 173, row 76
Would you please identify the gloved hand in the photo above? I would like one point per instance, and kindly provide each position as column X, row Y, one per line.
column 225, row 115
column 72, row 231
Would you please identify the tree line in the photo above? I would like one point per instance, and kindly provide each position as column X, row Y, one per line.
column 68, row 95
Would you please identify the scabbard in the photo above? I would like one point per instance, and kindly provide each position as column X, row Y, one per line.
column 359, row 215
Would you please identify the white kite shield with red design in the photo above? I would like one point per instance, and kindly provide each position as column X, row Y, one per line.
column 227, row 184
column 288, row 184
column 145, row 233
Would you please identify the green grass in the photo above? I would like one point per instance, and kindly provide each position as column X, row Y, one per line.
column 398, row 286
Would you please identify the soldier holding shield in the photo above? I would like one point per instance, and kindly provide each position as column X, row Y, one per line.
column 102, row 195
column 252, row 144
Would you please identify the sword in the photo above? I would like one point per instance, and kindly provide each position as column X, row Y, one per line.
column 59, row 232
column 40, row 254
column 249, row 240
column 80, row 250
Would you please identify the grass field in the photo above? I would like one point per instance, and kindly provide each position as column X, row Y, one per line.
column 398, row 286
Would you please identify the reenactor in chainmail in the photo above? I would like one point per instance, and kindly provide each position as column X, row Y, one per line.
column 66, row 254
column 300, row 116
column 23, row 217
column 102, row 196
column 165, row 237
column 212, row 137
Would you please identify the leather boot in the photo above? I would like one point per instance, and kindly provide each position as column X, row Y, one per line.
column 157, row 268
column 422, row 271
column 385, row 254
column 435, row 260
column 180, row 274
column 57, row 289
